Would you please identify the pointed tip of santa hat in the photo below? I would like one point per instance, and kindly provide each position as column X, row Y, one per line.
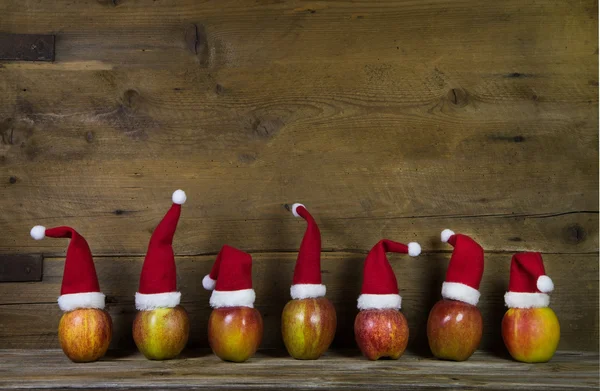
column 414, row 249
column 295, row 208
column 545, row 284
column 38, row 232
column 179, row 197
column 208, row 283
column 446, row 234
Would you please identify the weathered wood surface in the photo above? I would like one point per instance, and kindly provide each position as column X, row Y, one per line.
column 343, row 370
column 386, row 118
column 30, row 314
column 573, row 233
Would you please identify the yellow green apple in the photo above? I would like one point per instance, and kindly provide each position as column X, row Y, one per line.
column 161, row 333
column 308, row 327
column 531, row 334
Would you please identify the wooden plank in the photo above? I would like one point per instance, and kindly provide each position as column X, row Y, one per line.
column 120, row 229
column 114, row 175
column 21, row 268
column 30, row 315
column 374, row 158
column 26, row 47
column 380, row 131
column 341, row 370
column 238, row 34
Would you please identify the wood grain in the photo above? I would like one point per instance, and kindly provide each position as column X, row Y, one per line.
column 30, row 314
column 340, row 370
column 387, row 119
column 239, row 34
column 374, row 123
column 570, row 233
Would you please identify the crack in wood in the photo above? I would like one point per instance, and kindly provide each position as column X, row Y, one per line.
column 193, row 38
column 196, row 41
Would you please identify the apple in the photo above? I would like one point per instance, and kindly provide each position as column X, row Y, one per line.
column 381, row 333
column 454, row 329
column 531, row 334
column 308, row 327
column 161, row 333
column 234, row 333
column 84, row 334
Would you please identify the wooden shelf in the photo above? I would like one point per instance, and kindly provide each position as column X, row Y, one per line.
column 273, row 369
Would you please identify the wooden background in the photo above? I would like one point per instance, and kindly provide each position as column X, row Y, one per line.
column 388, row 119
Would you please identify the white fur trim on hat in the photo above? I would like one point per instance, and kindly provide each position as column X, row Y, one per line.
column 73, row 301
column 294, row 207
column 446, row 235
column 307, row 291
column 545, row 284
column 460, row 292
column 241, row 298
column 414, row 249
column 179, row 197
column 208, row 283
column 526, row 300
column 378, row 302
column 152, row 301
column 38, row 232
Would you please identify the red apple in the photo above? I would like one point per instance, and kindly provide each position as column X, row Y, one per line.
column 84, row 334
column 162, row 333
column 531, row 334
column 381, row 333
column 454, row 329
column 234, row 333
column 308, row 327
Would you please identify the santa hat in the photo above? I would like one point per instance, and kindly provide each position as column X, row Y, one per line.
column 158, row 280
column 465, row 269
column 380, row 288
column 307, row 274
column 80, row 288
column 529, row 285
column 231, row 279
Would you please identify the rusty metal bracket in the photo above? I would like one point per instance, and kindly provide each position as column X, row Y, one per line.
column 21, row 268
column 26, row 47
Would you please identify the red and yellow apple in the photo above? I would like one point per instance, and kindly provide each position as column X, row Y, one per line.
column 234, row 333
column 308, row 327
column 84, row 334
column 531, row 334
column 381, row 333
column 454, row 329
column 161, row 333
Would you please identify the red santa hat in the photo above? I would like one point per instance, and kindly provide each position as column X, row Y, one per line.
column 307, row 274
column 465, row 269
column 80, row 288
column 529, row 285
column 380, row 288
column 158, row 280
column 231, row 279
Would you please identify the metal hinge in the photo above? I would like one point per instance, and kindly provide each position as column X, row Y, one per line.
column 26, row 47
column 21, row 268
